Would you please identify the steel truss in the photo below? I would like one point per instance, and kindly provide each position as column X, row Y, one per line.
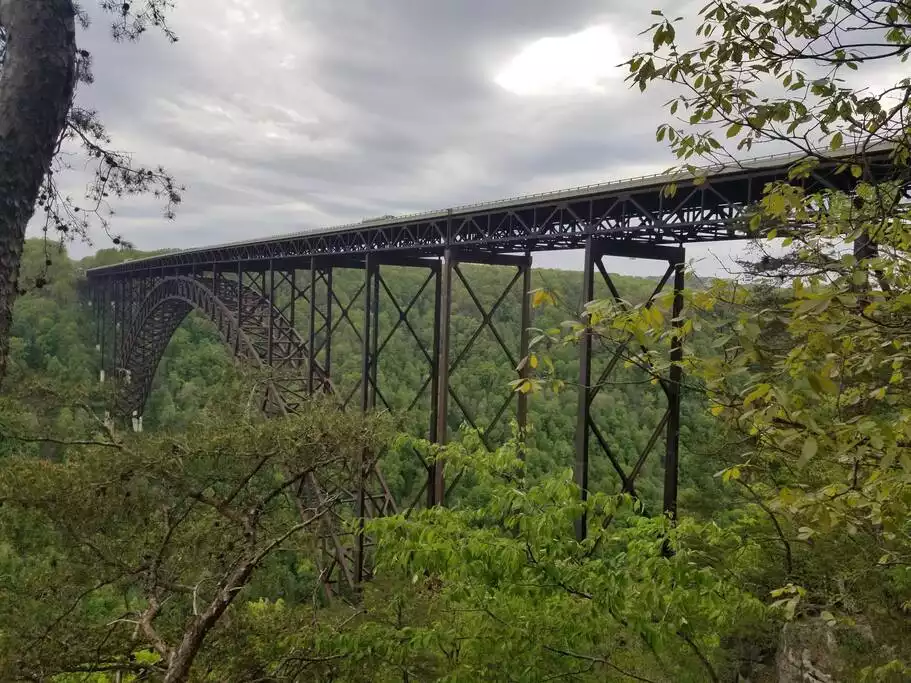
column 283, row 321
column 318, row 296
column 637, row 211
column 449, row 363
column 669, row 425
column 278, row 305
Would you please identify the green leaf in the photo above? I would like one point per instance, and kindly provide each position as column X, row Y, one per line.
column 757, row 393
column 730, row 473
column 836, row 142
column 776, row 204
column 810, row 447
column 822, row 384
column 905, row 461
column 658, row 38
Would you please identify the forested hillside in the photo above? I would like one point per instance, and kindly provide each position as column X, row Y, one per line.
column 53, row 391
column 54, row 344
column 731, row 543
column 225, row 542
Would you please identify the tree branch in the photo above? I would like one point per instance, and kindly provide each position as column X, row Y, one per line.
column 145, row 625
column 598, row 660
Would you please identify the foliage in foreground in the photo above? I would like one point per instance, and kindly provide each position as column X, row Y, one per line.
column 503, row 592
column 145, row 544
column 809, row 375
column 517, row 598
column 811, row 362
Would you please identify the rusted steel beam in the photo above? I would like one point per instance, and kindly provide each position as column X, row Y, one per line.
column 584, row 403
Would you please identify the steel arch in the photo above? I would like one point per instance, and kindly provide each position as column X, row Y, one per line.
column 154, row 320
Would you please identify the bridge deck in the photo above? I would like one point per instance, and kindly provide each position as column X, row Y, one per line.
column 634, row 214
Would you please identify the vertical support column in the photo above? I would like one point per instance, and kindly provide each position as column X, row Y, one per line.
column 368, row 361
column 292, row 279
column 373, row 271
column 127, row 302
column 330, row 295
column 319, row 347
column 311, row 347
column 434, row 378
column 671, row 459
column 240, row 300
column 522, row 407
column 126, row 323
column 95, row 318
column 294, row 355
column 368, row 399
column 112, row 364
column 585, row 374
column 270, row 352
column 114, row 332
column 118, row 327
column 442, row 316
column 125, row 289
column 103, row 331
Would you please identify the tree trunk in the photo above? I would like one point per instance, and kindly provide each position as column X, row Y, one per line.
column 184, row 655
column 36, row 90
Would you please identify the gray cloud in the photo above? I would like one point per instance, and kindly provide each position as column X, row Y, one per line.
column 284, row 115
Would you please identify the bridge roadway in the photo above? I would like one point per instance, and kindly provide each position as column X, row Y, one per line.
column 276, row 305
column 630, row 214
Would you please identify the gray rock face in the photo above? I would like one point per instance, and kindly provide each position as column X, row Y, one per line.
column 807, row 653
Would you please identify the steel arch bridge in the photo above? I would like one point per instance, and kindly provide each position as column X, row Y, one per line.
column 276, row 304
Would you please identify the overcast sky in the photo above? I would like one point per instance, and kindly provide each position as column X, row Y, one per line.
column 288, row 115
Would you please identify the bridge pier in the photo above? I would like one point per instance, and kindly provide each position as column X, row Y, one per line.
column 669, row 425
column 442, row 317
column 448, row 364
column 331, row 313
column 369, row 362
column 319, row 346
column 99, row 310
column 379, row 289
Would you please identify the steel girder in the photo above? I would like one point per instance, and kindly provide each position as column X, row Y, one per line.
column 635, row 213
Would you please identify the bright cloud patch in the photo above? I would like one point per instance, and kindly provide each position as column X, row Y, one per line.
column 581, row 62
